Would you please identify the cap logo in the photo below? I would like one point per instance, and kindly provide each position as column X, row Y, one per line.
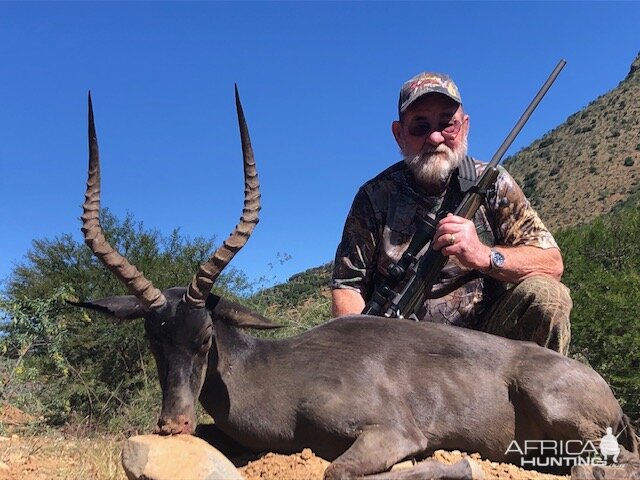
column 433, row 81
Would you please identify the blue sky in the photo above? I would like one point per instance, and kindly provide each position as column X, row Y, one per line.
column 319, row 83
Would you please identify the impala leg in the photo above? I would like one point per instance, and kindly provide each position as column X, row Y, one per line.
column 627, row 468
column 596, row 472
column 464, row 469
column 376, row 450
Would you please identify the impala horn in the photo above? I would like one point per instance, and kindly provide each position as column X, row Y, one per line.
column 135, row 281
column 203, row 281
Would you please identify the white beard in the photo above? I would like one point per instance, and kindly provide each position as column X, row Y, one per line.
column 431, row 170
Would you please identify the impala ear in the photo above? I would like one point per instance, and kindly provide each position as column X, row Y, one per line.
column 233, row 313
column 125, row 307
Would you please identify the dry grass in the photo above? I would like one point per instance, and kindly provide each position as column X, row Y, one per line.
column 56, row 457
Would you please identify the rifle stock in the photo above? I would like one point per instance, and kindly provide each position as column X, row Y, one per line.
column 422, row 272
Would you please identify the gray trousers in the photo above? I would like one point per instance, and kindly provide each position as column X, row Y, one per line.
column 537, row 310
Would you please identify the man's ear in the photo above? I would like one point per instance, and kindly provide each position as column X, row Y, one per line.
column 125, row 307
column 396, row 129
column 465, row 124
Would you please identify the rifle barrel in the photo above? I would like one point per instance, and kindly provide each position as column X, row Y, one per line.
column 525, row 116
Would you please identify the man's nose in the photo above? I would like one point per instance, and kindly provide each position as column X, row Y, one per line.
column 435, row 138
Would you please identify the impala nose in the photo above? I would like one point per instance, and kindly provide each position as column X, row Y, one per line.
column 176, row 425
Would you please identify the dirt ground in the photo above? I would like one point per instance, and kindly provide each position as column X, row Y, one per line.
column 306, row 466
column 47, row 458
column 60, row 457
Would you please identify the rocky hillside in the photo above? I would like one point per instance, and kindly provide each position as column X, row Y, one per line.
column 589, row 164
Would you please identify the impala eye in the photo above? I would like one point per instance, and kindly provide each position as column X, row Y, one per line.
column 205, row 345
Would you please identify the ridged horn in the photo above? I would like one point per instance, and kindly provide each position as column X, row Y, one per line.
column 135, row 281
column 200, row 286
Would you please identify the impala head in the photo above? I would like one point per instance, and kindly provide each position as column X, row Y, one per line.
column 179, row 322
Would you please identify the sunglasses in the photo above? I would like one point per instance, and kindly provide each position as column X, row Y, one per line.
column 448, row 130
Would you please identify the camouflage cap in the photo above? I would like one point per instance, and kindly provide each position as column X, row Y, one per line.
column 423, row 83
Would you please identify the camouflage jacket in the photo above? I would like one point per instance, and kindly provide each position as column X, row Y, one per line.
column 380, row 226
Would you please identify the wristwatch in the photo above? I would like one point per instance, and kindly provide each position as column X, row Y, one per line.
column 497, row 260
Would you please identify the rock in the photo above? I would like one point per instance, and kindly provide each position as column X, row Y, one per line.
column 155, row 457
column 4, row 467
column 306, row 454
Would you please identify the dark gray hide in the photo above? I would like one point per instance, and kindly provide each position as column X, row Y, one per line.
column 370, row 391
column 365, row 392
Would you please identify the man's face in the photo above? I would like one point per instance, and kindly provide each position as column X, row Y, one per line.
column 432, row 137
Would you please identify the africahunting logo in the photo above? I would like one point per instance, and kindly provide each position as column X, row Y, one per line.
column 566, row 453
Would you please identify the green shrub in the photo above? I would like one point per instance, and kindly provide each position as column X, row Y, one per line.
column 602, row 265
column 585, row 129
column 546, row 142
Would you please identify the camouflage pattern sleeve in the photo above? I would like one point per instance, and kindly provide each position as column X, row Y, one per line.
column 355, row 260
column 513, row 219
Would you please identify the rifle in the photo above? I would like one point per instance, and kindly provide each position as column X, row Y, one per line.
column 422, row 271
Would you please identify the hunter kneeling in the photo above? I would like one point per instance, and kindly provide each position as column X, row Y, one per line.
column 504, row 267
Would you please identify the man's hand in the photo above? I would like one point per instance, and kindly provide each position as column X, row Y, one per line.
column 457, row 236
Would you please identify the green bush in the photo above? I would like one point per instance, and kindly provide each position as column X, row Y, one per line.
column 602, row 269
column 529, row 185
column 585, row 129
column 546, row 142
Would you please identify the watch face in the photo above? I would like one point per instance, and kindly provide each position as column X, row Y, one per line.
column 497, row 259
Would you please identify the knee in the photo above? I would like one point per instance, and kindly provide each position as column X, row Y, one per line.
column 545, row 292
column 538, row 310
column 549, row 302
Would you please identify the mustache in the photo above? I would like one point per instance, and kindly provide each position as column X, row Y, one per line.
column 442, row 148
column 430, row 151
column 439, row 153
column 432, row 166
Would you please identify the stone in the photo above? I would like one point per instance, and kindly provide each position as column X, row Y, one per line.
column 176, row 457
column 4, row 467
